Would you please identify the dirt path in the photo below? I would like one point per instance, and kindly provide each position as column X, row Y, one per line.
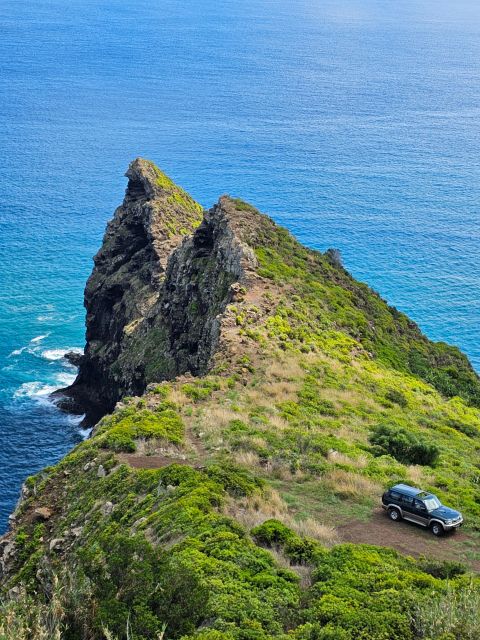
column 149, row 462
column 413, row 540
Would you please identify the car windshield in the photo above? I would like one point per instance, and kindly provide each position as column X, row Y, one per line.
column 432, row 503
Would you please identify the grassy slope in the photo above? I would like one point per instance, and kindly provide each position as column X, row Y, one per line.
column 280, row 434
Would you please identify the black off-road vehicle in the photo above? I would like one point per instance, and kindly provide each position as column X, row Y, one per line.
column 408, row 503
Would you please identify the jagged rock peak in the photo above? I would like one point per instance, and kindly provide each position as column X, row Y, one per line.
column 147, row 182
column 160, row 285
column 143, row 178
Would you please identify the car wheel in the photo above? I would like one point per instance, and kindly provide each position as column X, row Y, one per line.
column 394, row 514
column 437, row 529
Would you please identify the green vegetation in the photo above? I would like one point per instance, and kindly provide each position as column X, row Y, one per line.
column 227, row 522
column 450, row 615
column 178, row 554
column 404, row 446
column 121, row 429
column 177, row 196
column 325, row 301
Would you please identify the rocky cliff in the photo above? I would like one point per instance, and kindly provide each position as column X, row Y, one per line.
column 161, row 281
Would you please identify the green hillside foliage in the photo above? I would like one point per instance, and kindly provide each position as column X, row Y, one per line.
column 211, row 508
column 329, row 299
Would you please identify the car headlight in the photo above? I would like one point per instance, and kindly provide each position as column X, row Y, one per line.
column 448, row 521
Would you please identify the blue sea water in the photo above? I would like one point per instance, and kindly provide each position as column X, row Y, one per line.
column 355, row 123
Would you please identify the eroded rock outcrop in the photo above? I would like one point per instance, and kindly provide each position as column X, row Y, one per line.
column 160, row 284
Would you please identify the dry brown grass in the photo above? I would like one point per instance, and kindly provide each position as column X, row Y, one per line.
column 286, row 369
column 257, row 397
column 216, row 418
column 177, row 396
column 351, row 485
column 340, row 458
column 247, row 458
column 417, row 475
column 352, row 432
column 304, row 572
column 310, row 528
column 281, row 391
column 280, row 469
column 253, row 510
column 278, row 423
column 157, row 446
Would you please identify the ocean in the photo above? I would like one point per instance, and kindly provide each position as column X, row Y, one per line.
column 355, row 123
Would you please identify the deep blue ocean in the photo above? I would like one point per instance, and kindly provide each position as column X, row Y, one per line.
column 355, row 123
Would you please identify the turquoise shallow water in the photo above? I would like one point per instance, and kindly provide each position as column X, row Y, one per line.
column 355, row 123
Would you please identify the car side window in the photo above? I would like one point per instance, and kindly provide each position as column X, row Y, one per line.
column 420, row 505
column 407, row 501
column 394, row 495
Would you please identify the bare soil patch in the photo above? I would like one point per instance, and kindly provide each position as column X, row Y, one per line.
column 412, row 540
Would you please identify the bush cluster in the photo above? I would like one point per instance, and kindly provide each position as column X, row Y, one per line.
column 404, row 446
column 121, row 429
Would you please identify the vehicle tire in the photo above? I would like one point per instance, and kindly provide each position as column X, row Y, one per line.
column 394, row 514
column 437, row 529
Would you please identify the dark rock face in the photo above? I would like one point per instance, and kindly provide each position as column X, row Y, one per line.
column 73, row 358
column 154, row 300
column 197, row 288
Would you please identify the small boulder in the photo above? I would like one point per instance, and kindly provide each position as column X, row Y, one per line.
column 107, row 508
column 101, row 473
column 41, row 514
column 139, row 522
column 56, row 544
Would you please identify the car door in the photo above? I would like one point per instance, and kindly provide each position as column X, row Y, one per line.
column 408, row 508
column 419, row 512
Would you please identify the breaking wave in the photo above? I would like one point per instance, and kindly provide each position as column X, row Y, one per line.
column 37, row 390
column 28, row 347
column 58, row 354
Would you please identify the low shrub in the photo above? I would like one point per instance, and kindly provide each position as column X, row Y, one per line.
column 397, row 397
column 403, row 445
column 122, row 428
column 467, row 429
column 443, row 569
column 273, row 533
column 237, row 481
column 200, row 389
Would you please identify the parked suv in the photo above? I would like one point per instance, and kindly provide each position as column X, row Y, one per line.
column 409, row 503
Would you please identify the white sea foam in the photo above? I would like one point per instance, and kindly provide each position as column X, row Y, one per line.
column 58, row 354
column 65, row 379
column 28, row 347
column 17, row 352
column 53, row 354
column 85, row 433
column 34, row 390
